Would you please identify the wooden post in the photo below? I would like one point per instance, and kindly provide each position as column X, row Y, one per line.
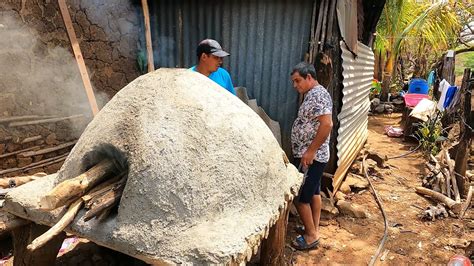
column 78, row 55
column 448, row 68
column 45, row 255
column 463, row 148
column 273, row 248
column 149, row 47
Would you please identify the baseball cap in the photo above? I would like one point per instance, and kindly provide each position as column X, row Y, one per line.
column 210, row 46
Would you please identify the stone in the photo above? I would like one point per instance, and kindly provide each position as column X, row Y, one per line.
column 51, row 139
column 355, row 183
column 351, row 209
column 345, row 188
column 2, row 148
column 340, row 196
column 380, row 108
column 328, row 210
column 24, row 161
column 11, row 147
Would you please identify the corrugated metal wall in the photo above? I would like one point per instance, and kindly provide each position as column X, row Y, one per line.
column 265, row 39
column 352, row 133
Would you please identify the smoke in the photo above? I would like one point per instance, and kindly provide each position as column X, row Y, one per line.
column 35, row 78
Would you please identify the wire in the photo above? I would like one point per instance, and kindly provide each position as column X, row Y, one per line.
column 379, row 203
column 405, row 154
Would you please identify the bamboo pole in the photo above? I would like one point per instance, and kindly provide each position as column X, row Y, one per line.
column 149, row 47
column 78, row 55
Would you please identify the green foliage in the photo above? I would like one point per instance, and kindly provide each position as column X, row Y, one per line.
column 429, row 135
column 464, row 60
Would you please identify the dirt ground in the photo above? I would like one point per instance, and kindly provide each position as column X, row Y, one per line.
column 347, row 240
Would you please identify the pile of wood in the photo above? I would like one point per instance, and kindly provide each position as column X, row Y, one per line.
column 98, row 191
column 441, row 184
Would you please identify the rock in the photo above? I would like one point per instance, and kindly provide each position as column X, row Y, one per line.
column 354, row 183
column 351, row 209
column 380, row 108
column 11, row 147
column 2, row 148
column 328, row 210
column 51, row 139
column 345, row 188
column 340, row 196
column 24, row 161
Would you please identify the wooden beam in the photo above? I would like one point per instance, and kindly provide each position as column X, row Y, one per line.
column 78, row 55
column 48, row 150
column 274, row 246
column 149, row 47
column 19, row 151
column 42, row 121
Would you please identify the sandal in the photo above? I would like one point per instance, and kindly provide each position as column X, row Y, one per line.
column 300, row 244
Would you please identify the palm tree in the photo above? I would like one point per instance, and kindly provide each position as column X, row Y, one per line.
column 426, row 30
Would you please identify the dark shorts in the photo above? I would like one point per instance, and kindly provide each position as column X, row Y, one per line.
column 312, row 183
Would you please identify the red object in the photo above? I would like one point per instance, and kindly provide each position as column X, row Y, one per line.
column 412, row 99
column 459, row 260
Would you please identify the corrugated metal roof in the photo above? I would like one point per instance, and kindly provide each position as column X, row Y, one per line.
column 352, row 133
column 265, row 40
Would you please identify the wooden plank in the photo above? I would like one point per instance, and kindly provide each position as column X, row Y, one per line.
column 47, row 150
column 149, row 47
column 43, row 121
column 78, row 55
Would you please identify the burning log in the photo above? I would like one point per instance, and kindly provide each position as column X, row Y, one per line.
column 71, row 189
column 452, row 205
column 19, row 180
column 58, row 227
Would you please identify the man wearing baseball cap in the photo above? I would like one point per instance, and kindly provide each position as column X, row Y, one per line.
column 210, row 55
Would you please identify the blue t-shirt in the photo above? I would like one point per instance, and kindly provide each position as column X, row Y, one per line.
column 221, row 77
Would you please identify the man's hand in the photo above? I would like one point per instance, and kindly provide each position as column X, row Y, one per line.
column 307, row 158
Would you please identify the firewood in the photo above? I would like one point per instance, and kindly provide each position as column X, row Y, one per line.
column 47, row 150
column 9, row 222
column 58, row 227
column 105, row 201
column 452, row 205
column 457, row 196
column 467, row 204
column 73, row 188
column 19, row 180
column 42, row 121
column 102, row 188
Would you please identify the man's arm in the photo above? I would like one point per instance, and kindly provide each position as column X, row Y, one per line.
column 325, row 126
